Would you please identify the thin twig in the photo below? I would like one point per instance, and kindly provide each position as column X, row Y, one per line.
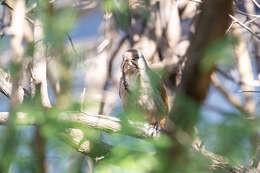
column 252, row 83
column 231, row 98
column 229, row 77
column 230, row 26
column 71, row 43
column 246, row 14
column 109, row 72
column 244, row 26
column 256, row 3
column 197, row 1
column 252, row 20
column 249, row 91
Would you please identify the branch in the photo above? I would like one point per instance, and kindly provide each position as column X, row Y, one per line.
column 231, row 98
column 98, row 122
column 221, row 163
column 39, row 65
column 251, row 83
column 256, row 3
column 75, row 137
column 244, row 26
column 244, row 66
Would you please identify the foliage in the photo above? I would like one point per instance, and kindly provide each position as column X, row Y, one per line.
column 37, row 144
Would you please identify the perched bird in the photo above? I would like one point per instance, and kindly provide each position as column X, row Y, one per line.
column 142, row 89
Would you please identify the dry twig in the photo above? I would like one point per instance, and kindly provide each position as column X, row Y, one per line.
column 244, row 26
column 231, row 98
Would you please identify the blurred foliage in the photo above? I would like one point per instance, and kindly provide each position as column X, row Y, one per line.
column 120, row 9
column 230, row 138
column 219, row 52
column 124, row 11
column 186, row 106
column 57, row 27
column 134, row 155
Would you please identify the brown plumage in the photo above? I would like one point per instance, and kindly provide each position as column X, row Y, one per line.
column 142, row 89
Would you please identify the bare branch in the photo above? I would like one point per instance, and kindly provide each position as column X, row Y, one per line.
column 99, row 122
column 38, row 69
column 231, row 98
column 251, row 83
column 246, row 14
column 244, row 65
column 256, row 3
column 75, row 137
column 244, row 26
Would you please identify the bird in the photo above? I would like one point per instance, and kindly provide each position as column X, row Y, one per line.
column 142, row 89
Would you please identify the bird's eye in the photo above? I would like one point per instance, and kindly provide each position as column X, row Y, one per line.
column 135, row 58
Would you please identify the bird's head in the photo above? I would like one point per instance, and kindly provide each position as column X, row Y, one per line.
column 133, row 62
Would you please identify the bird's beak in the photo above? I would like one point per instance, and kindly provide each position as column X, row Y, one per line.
column 128, row 60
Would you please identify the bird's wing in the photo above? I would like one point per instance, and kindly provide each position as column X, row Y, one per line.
column 164, row 94
column 159, row 88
